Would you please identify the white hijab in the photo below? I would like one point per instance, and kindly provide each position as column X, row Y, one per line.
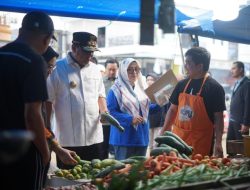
column 132, row 101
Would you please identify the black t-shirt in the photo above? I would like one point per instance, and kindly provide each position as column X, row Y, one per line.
column 22, row 80
column 213, row 94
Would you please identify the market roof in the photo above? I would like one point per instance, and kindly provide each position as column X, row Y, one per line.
column 129, row 10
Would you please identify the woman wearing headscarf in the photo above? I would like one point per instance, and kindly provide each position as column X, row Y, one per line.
column 129, row 104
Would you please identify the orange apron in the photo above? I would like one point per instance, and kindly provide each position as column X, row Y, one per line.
column 192, row 123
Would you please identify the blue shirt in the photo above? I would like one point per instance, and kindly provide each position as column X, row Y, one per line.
column 131, row 136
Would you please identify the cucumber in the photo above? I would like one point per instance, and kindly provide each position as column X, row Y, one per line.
column 108, row 162
column 185, row 156
column 112, row 121
column 171, row 141
column 138, row 158
column 109, row 169
column 167, row 146
column 129, row 161
column 160, row 150
column 188, row 148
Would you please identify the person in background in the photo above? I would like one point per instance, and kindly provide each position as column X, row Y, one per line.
column 77, row 93
column 50, row 57
column 129, row 104
column 156, row 120
column 239, row 120
column 101, row 69
column 66, row 156
column 197, row 105
column 23, row 89
column 111, row 65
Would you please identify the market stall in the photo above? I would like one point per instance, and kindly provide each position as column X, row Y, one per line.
column 170, row 165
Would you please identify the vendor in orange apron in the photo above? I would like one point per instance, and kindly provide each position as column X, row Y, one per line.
column 192, row 123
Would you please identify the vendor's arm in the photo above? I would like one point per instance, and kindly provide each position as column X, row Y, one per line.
column 172, row 111
column 169, row 120
column 125, row 119
column 218, row 129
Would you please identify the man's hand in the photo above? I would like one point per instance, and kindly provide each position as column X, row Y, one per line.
column 66, row 156
column 244, row 130
column 137, row 120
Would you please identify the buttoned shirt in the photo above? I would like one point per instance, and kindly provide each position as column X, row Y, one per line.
column 74, row 92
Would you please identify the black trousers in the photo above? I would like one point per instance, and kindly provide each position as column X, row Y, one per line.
column 28, row 172
column 233, row 131
column 105, row 144
column 85, row 152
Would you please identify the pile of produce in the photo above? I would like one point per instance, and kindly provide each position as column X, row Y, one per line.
column 171, row 164
column 89, row 169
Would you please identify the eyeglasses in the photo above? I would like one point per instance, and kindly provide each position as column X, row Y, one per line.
column 132, row 70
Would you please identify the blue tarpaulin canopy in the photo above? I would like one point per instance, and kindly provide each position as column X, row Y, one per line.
column 237, row 30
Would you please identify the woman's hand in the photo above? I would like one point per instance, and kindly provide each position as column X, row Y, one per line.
column 137, row 120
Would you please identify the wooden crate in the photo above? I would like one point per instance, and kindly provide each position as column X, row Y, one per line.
column 235, row 147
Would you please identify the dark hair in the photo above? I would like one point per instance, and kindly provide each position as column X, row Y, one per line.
column 240, row 65
column 49, row 54
column 111, row 60
column 154, row 75
column 199, row 56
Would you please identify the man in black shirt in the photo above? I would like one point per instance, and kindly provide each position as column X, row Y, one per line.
column 197, row 105
column 23, row 89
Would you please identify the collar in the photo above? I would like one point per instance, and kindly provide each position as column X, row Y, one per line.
column 240, row 80
column 112, row 79
column 73, row 61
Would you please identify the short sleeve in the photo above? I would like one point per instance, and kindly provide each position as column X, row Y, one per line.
column 175, row 95
column 218, row 99
column 35, row 88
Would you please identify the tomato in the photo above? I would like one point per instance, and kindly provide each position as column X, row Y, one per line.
column 225, row 161
column 198, row 157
